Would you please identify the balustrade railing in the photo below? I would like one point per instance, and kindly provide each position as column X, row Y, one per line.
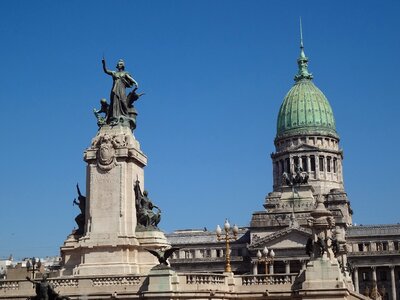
column 9, row 285
column 273, row 279
column 118, row 280
column 205, row 279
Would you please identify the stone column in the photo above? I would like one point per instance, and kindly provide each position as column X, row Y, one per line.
column 374, row 246
column 213, row 252
column 291, row 164
column 391, row 245
column 374, row 274
column 340, row 170
column 255, row 267
column 271, row 268
column 356, row 286
column 287, row 266
column 393, row 283
column 303, row 264
column 308, row 164
column 197, row 253
column 316, row 157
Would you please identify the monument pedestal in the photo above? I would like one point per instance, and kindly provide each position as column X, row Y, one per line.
column 323, row 274
column 109, row 245
column 162, row 279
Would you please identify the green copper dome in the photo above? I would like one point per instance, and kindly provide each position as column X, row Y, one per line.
column 305, row 109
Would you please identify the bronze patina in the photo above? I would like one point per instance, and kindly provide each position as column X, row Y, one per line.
column 147, row 218
column 120, row 110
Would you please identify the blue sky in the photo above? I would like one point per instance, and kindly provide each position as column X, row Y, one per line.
column 214, row 74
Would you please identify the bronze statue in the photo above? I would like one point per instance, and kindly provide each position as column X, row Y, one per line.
column 146, row 217
column 163, row 255
column 44, row 290
column 101, row 119
column 80, row 219
column 121, row 109
column 299, row 177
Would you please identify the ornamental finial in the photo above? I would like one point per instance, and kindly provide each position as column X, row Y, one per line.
column 302, row 61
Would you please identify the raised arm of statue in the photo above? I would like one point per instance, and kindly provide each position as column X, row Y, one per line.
column 103, row 61
column 78, row 190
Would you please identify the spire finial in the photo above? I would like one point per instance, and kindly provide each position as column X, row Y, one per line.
column 302, row 61
column 301, row 35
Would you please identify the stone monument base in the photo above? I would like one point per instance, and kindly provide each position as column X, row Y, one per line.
column 162, row 279
column 153, row 240
column 323, row 274
column 98, row 256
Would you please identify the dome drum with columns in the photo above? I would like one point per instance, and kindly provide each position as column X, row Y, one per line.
column 306, row 135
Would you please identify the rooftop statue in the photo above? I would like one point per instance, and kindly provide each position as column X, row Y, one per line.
column 120, row 110
column 300, row 177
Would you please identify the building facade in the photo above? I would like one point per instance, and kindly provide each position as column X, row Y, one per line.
column 306, row 142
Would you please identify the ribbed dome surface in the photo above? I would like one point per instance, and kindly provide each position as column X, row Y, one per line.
column 305, row 110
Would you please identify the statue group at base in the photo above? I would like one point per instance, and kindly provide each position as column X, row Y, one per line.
column 44, row 290
column 147, row 218
column 80, row 219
